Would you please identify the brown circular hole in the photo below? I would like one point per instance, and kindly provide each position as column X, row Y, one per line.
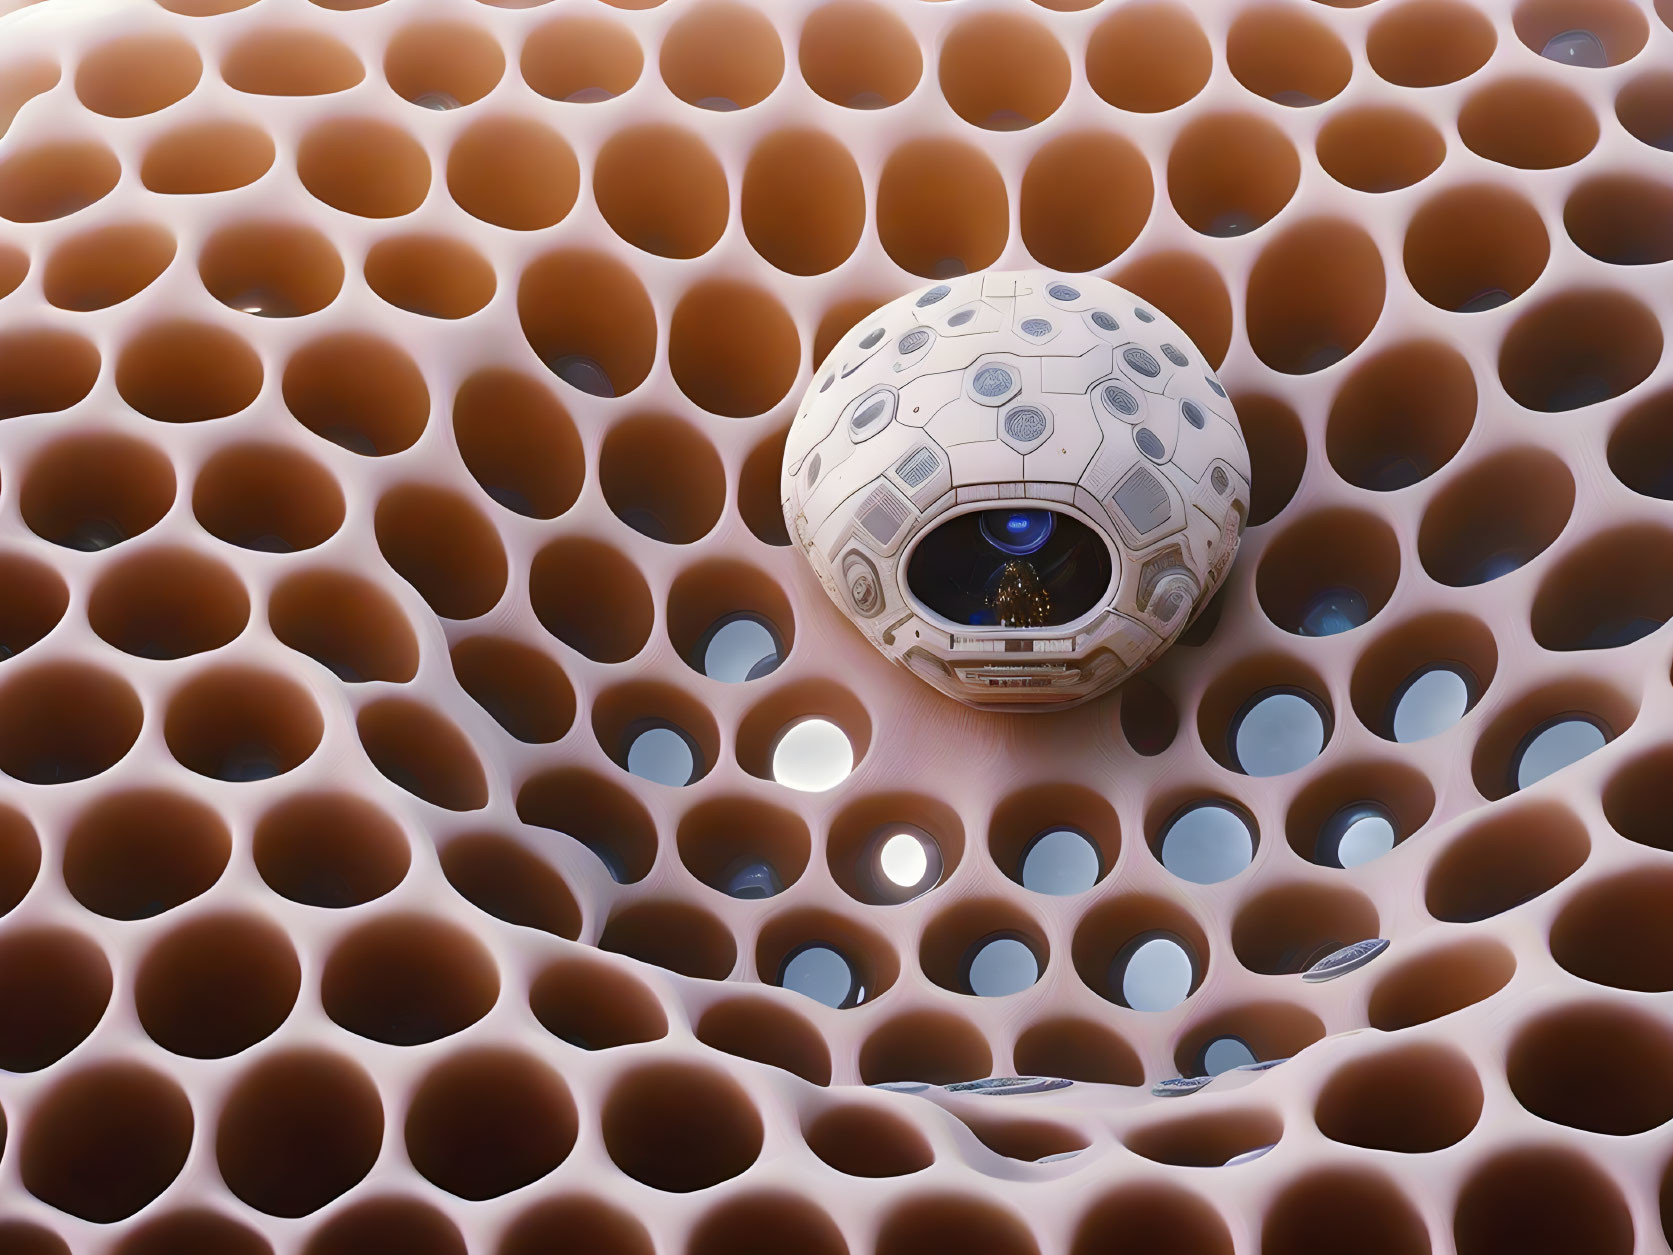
column 364, row 167
column 1404, row 793
column 20, row 858
column 1311, row 1213
column 44, row 371
column 946, row 1222
column 581, row 59
column 1277, row 453
column 295, row 62
column 803, row 205
column 1504, row 861
column 36, row 598
column 1384, row 669
column 769, row 1033
column 1286, row 56
column 1149, row 719
column 662, row 190
column 1231, row 694
column 1617, row 29
column 136, row 854
column 106, row 266
column 1641, row 447
column 662, row 477
column 237, row 723
column 104, row 1141
column 1085, row 197
column 1645, row 108
column 137, row 74
column 1632, row 799
column 1314, row 294
column 1622, row 219
column 679, row 1127
column 513, row 173
column 1290, row 928
column 329, row 850
column 443, row 546
column 443, row 65
column 1163, row 1219
column 298, row 1130
column 1606, row 593
column 1148, row 57
column 1528, row 123
column 519, row 442
column 851, row 846
column 186, row 372
column 862, row 1139
column 1025, row 814
column 201, row 158
column 1566, row 1065
column 942, row 209
column 54, row 180
column 721, row 55
column 168, row 603
column 1003, row 71
column 90, row 493
column 501, row 876
column 720, row 837
column 407, row 980
column 859, row 54
column 1413, row 1100
column 64, row 721
column 759, row 731
column 674, row 936
column 606, row 818
column 1439, row 982
column 1080, row 1050
column 1189, row 290
column 590, row 321
column 525, row 691
column 765, row 1223
column 1495, row 768
column 1401, row 415
column 1495, row 516
column 1577, row 349
column 1327, row 560
column 872, row 959
column 421, row 752
column 595, row 1006
column 348, row 625
column 732, row 348
column 384, row 1226
column 358, row 391
column 1428, row 43
column 191, row 1232
column 1379, row 148
column 267, row 498
column 1271, row 1030
column 488, row 1121
column 1541, row 1198
column 430, row 275
column 1475, row 247
column 580, row 1222
column 1106, row 932
column 1229, row 173
column 58, row 984
column 614, row 623
column 216, row 985
column 271, row 269
column 952, row 939
column 1617, row 932
column 758, row 500
column 932, row 1046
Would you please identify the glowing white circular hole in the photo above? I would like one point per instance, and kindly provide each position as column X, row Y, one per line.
column 812, row 756
column 904, row 860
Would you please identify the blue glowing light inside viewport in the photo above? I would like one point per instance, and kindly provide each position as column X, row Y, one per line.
column 1018, row 532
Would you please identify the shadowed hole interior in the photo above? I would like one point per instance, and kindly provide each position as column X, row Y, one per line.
column 330, row 850
column 217, row 985
column 408, row 979
column 58, row 983
column 503, row 877
column 240, row 724
column 679, row 1127
column 168, row 603
column 137, row 853
column 595, row 1006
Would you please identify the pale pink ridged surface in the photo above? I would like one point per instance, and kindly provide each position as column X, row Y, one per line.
column 336, row 1010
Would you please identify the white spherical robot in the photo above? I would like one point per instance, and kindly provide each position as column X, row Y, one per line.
column 1021, row 486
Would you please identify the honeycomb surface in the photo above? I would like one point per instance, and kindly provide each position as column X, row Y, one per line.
column 328, row 601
